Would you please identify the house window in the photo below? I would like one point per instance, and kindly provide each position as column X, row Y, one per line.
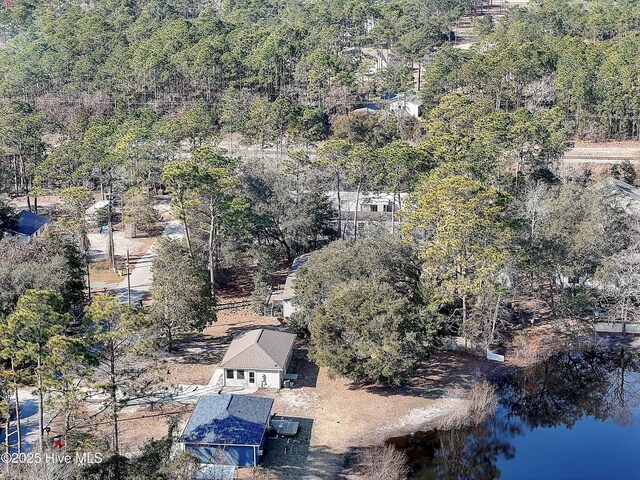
column 374, row 208
column 240, row 374
column 252, row 377
column 387, row 208
column 230, row 374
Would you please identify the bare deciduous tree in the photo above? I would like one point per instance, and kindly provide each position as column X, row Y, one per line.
column 384, row 463
column 620, row 279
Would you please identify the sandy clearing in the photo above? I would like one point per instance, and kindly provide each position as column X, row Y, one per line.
column 341, row 418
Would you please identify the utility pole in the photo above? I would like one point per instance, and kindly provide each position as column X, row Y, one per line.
column 128, row 280
column 88, row 279
column 112, row 253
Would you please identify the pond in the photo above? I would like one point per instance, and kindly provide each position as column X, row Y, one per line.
column 574, row 416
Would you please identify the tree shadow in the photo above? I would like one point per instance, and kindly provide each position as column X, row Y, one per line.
column 197, row 348
column 28, row 427
column 307, row 371
column 240, row 328
column 236, row 282
column 444, row 370
column 287, row 455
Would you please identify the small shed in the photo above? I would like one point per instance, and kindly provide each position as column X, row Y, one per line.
column 28, row 225
column 228, row 430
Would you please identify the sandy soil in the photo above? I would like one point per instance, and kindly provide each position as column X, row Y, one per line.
column 100, row 269
column 337, row 419
column 150, row 423
column 46, row 202
column 135, row 427
column 136, row 246
column 599, row 150
column 464, row 30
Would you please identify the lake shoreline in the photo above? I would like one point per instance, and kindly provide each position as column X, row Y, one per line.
column 572, row 382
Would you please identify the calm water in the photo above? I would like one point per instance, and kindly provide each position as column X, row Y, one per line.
column 572, row 417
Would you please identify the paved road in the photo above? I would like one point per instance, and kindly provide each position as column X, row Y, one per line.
column 603, row 159
column 141, row 278
column 28, row 423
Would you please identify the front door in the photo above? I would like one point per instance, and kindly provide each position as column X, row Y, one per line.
column 252, row 378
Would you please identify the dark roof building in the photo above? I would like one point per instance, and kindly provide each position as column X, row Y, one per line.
column 228, row 429
column 28, row 224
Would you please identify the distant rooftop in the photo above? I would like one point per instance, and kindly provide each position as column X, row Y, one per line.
column 29, row 223
column 298, row 262
column 288, row 291
column 228, row 420
column 633, row 192
column 363, row 197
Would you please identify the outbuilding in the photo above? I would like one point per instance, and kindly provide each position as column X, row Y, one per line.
column 258, row 358
column 289, row 291
column 228, row 430
column 28, row 225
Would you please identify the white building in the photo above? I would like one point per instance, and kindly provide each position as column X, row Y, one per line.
column 280, row 301
column 92, row 212
column 408, row 104
column 366, row 201
column 289, row 292
column 258, row 358
column 376, row 211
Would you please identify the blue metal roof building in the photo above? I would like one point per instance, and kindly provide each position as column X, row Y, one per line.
column 228, row 429
column 29, row 224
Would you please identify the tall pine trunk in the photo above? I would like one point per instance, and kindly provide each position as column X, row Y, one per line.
column 185, row 225
column 40, row 405
column 339, row 205
column 114, row 399
column 111, row 249
column 17, row 400
column 213, row 258
column 355, row 215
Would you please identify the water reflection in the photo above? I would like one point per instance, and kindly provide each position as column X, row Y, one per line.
column 543, row 411
column 567, row 387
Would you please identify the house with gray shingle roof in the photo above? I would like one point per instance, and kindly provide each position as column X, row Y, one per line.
column 258, row 358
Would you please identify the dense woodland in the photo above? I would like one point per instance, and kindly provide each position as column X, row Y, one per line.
column 193, row 99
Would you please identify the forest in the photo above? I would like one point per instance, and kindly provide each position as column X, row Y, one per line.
column 248, row 115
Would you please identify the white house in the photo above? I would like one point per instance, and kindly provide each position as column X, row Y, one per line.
column 375, row 210
column 28, row 226
column 409, row 104
column 258, row 358
column 92, row 212
column 366, row 201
